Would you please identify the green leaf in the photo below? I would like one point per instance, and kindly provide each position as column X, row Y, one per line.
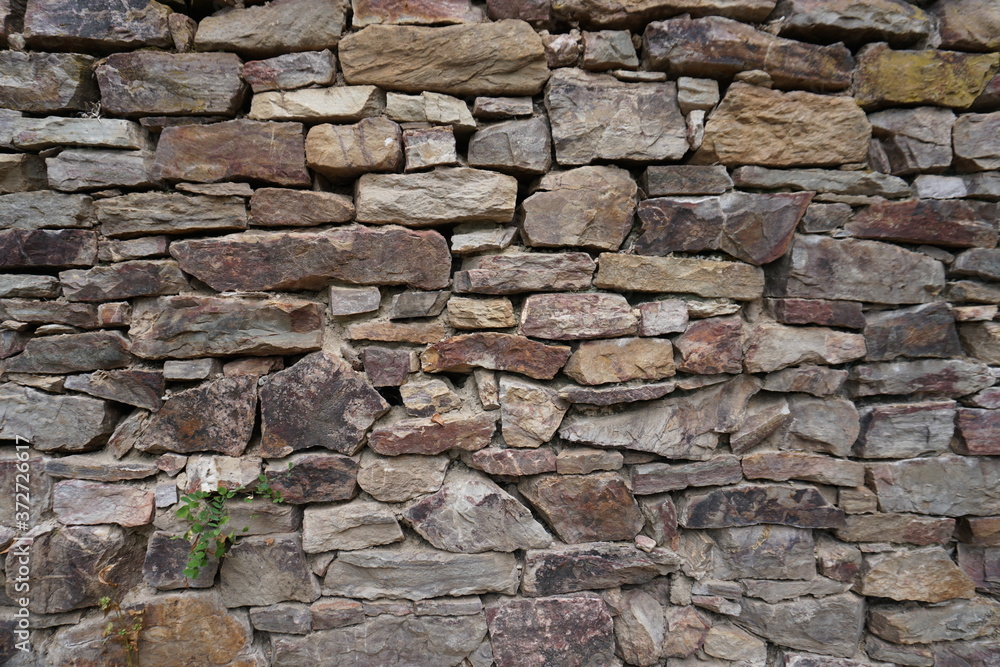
column 191, row 572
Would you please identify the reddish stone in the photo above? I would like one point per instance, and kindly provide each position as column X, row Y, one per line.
column 399, row 332
column 982, row 531
column 815, row 380
column 237, row 150
column 718, row 47
column 920, row 331
column 979, row 432
column 310, row 260
column 593, row 566
column 58, row 25
column 783, row 466
column 525, row 272
column 135, row 386
column 756, row 228
column 215, row 417
column 660, row 477
column 513, row 462
column 749, row 504
column 279, row 207
column 496, row 351
column 944, row 222
column 317, row 402
column 612, row 395
column 544, row 632
column 585, row 508
column 314, row 478
column 712, row 345
column 123, row 281
column 386, row 367
column 950, row 377
column 433, row 436
column 414, row 12
column 845, row 314
column 20, row 248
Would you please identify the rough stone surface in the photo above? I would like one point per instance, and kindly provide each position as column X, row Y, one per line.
column 148, row 82
column 830, row 625
column 348, row 527
column 183, row 327
column 948, row 377
column 291, row 71
column 718, row 47
column 471, row 514
column 514, row 146
column 941, row 222
column 941, row 78
column 941, row 486
column 891, row 21
column 264, row 570
column 72, row 353
column 585, row 508
column 496, row 351
column 797, row 129
column 401, row 478
column 414, row 574
column 278, row 207
column 47, row 82
column 976, row 146
column 648, row 124
column 620, row 360
column 679, row 274
column 824, row 268
column 433, row 436
column 168, row 213
column 232, row 151
column 525, row 272
column 920, row 331
column 123, row 281
column 322, row 386
column 530, row 412
column 446, row 195
column 915, row 140
column 333, row 105
column 907, row 430
column 896, row 528
column 590, row 207
column 913, row 624
column 274, row 28
column 59, row 25
column 354, row 254
column 217, row 416
column 503, row 58
column 576, row 631
column 78, row 502
column 926, row 575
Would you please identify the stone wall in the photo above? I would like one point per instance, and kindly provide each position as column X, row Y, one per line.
column 572, row 333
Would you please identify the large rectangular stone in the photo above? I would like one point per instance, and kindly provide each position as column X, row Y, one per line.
column 22, row 248
column 189, row 327
column 718, row 47
column 75, row 25
column 337, row 104
column 453, row 194
column 146, row 83
column 514, row 273
column 234, row 150
column 820, row 267
column 46, row 82
column 274, row 28
column 21, row 173
column 502, row 58
column 311, row 260
column 76, row 169
column 942, row 486
column 54, row 422
column 143, row 213
column 950, row 223
column 40, row 133
column 749, row 504
column 628, row 273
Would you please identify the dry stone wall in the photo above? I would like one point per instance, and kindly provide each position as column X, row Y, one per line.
column 572, row 333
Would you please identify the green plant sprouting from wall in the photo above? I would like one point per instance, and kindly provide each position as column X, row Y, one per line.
column 126, row 625
column 210, row 534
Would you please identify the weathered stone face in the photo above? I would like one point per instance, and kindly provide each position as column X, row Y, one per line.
column 503, row 58
column 942, row 486
column 898, row 23
column 354, row 254
column 818, row 267
column 647, row 125
column 52, row 421
column 915, row 624
column 123, row 281
column 749, row 504
column 190, row 327
column 232, row 151
column 471, row 514
column 318, row 402
column 46, row 82
column 718, row 47
column 345, row 151
column 772, row 129
column 679, row 274
column 313, row 478
column 419, row 574
column 168, row 213
column 887, row 77
column 274, row 28
column 291, row 71
column 944, row 223
column 496, row 351
column 413, row 639
column 72, row 557
column 148, row 82
column 263, row 570
column 585, row 508
column 72, row 353
column 570, row 630
column 217, row 416
column 24, row 248
column 525, row 272
column 830, row 625
column 433, row 436
column 590, row 207
column 530, row 412
column 69, row 26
